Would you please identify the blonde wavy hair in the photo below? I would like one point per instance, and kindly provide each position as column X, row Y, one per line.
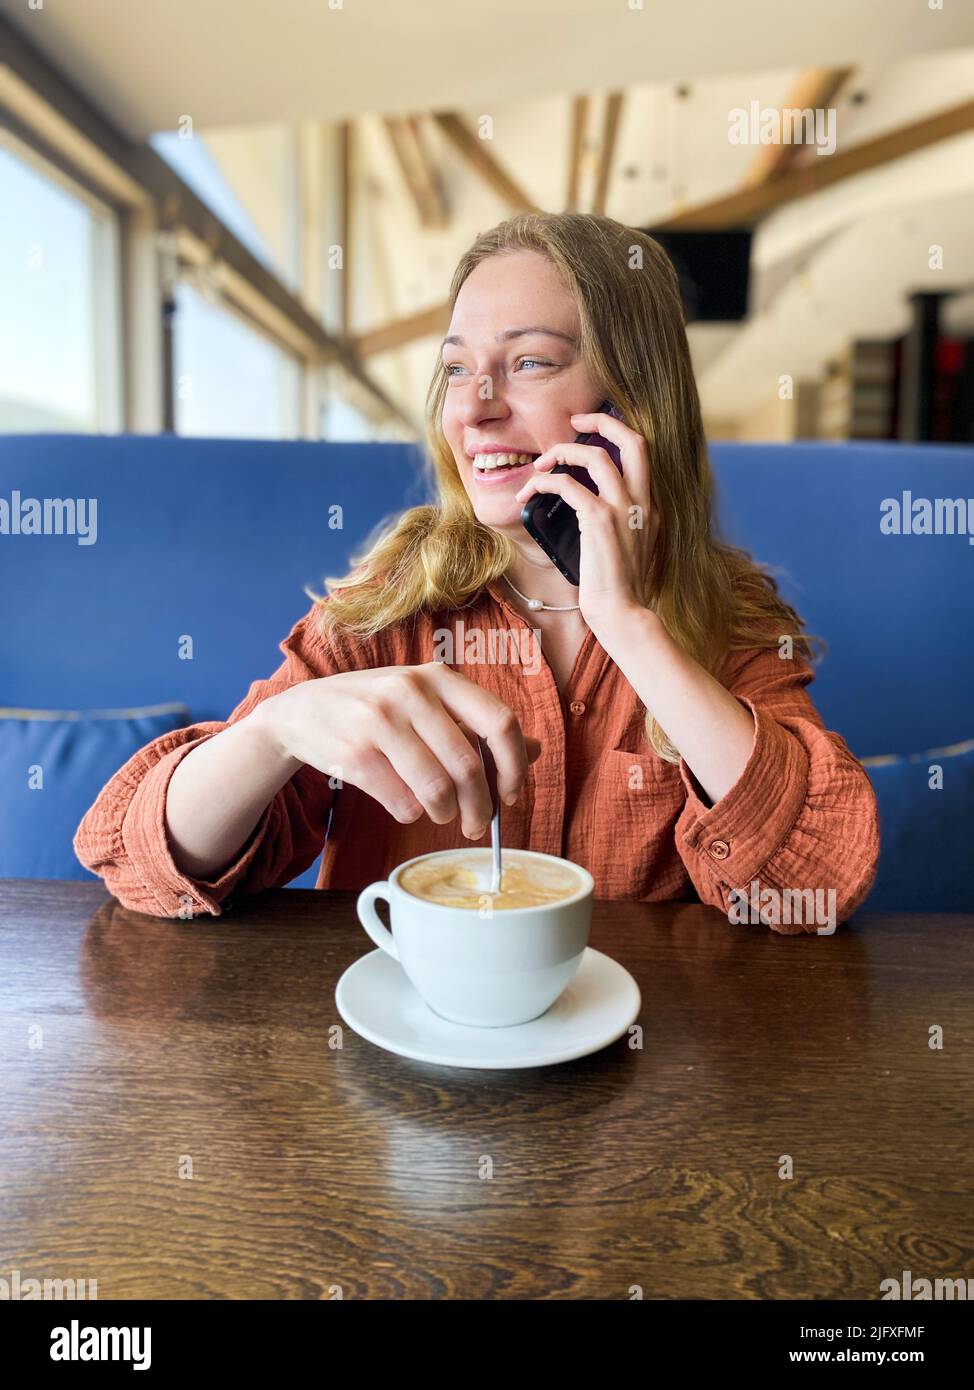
column 711, row 597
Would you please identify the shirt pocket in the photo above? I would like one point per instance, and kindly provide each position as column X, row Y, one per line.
column 638, row 798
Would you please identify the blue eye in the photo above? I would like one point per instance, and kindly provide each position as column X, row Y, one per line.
column 536, row 361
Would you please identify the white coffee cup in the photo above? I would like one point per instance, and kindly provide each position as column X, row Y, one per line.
column 486, row 969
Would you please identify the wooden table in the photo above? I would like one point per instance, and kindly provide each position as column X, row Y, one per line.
column 134, row 1047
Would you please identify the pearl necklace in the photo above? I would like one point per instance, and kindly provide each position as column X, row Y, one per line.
column 535, row 603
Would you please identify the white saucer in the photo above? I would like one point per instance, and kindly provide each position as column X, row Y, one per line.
column 376, row 999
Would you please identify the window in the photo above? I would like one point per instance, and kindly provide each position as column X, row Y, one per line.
column 248, row 179
column 60, row 365
column 230, row 380
column 341, row 421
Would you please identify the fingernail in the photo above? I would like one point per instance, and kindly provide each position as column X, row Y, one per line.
column 510, row 798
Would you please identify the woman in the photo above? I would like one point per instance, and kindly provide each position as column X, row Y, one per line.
column 661, row 735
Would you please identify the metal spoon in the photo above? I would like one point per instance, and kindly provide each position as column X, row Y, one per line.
column 490, row 772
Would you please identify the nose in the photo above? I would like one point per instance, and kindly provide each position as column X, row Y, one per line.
column 472, row 408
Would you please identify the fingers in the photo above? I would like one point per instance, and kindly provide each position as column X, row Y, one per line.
column 534, row 748
column 390, row 733
column 485, row 714
column 440, row 787
column 457, row 750
column 633, row 451
column 583, row 502
column 376, row 775
column 606, row 476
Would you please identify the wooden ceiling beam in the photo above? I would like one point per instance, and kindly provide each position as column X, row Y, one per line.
column 478, row 157
column 576, row 151
column 815, row 90
column 611, row 118
column 418, row 172
column 746, row 205
column 400, row 332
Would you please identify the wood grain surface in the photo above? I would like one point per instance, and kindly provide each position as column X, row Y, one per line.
column 185, row 1115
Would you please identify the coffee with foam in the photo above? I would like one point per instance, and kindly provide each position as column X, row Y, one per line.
column 463, row 881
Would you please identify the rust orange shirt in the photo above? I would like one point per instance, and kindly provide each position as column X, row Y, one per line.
column 802, row 814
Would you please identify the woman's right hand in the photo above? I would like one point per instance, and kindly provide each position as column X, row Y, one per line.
column 398, row 733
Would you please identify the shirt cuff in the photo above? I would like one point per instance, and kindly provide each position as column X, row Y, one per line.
column 146, row 842
column 737, row 835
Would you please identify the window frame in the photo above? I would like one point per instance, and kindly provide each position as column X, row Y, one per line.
column 290, row 403
column 105, row 287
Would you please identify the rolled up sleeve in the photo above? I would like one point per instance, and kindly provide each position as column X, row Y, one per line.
column 797, row 834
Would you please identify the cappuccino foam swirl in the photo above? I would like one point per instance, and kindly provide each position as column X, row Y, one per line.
column 461, row 882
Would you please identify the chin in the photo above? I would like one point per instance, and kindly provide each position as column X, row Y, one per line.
column 499, row 513
column 493, row 510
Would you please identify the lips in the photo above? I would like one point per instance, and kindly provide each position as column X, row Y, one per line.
column 494, row 476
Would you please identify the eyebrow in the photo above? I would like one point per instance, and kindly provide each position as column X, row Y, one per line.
column 510, row 333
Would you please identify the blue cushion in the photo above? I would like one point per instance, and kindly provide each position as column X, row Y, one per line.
column 900, row 662
column 208, row 539
column 53, row 764
column 925, row 862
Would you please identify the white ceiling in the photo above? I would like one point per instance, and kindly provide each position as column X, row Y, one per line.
column 231, row 62
column 855, row 286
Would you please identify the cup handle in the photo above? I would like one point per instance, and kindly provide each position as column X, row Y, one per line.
column 370, row 919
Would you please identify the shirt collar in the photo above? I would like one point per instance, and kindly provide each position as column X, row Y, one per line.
column 498, row 592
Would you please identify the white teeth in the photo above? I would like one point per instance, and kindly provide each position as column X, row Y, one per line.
column 486, row 462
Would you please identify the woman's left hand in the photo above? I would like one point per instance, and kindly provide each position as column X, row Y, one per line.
column 618, row 526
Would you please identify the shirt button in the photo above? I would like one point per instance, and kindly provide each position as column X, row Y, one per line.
column 577, row 707
column 720, row 849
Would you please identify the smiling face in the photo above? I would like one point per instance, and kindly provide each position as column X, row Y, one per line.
column 515, row 329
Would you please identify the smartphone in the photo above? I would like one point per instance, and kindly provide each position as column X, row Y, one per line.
column 551, row 521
